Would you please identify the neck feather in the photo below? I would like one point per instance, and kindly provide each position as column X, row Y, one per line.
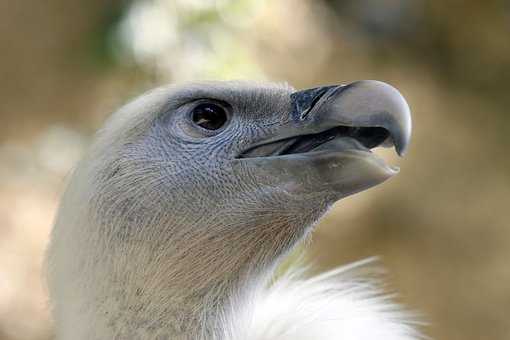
column 181, row 288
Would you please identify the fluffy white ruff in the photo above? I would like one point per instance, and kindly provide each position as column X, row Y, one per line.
column 337, row 305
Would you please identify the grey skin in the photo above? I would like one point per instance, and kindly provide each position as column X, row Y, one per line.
column 165, row 225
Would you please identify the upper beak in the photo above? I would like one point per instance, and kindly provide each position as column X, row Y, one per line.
column 366, row 103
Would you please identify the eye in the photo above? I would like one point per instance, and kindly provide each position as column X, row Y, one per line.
column 209, row 116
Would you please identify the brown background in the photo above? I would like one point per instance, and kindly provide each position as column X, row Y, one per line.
column 441, row 227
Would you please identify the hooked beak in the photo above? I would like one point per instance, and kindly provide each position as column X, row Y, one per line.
column 366, row 103
column 330, row 135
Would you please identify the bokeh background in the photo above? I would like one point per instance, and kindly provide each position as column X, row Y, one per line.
column 441, row 227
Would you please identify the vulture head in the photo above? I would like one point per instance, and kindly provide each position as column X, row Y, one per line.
column 191, row 195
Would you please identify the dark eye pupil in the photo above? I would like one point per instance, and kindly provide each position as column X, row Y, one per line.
column 209, row 116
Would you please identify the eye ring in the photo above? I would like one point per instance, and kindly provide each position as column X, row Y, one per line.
column 209, row 116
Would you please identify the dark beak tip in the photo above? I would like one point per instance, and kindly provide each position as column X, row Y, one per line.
column 403, row 141
column 402, row 151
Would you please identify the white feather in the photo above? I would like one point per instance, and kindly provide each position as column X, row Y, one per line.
column 336, row 305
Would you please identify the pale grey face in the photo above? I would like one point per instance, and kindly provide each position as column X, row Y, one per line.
column 188, row 160
column 228, row 153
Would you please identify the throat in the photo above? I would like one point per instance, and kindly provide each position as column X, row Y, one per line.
column 182, row 298
column 183, row 313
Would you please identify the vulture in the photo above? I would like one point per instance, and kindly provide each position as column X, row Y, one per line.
column 174, row 223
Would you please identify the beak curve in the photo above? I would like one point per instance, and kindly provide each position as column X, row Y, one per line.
column 366, row 103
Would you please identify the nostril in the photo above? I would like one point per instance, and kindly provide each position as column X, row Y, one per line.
column 304, row 101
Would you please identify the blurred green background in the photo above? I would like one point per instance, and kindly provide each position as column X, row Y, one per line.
column 441, row 227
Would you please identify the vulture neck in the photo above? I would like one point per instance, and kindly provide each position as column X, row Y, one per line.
column 184, row 289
